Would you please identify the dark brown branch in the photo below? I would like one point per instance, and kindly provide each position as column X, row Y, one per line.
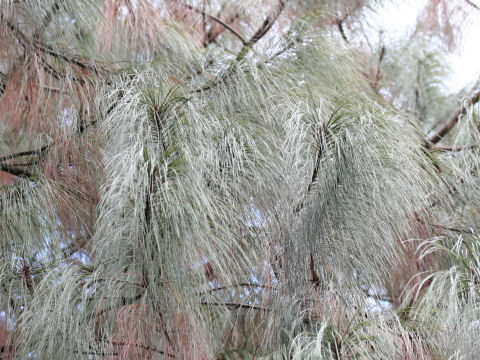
column 241, row 285
column 377, row 75
column 440, row 133
column 14, row 170
column 315, row 279
column 266, row 26
column 234, row 305
column 27, row 275
column 472, row 4
column 217, row 20
column 17, row 171
column 454, row 148
column 36, row 152
column 457, row 230
column 322, row 142
column 142, row 346
column 212, row 36
column 57, row 74
column 3, row 83
column 341, row 30
column 261, row 32
column 26, row 42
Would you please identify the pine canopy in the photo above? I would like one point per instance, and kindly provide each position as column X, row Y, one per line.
column 222, row 179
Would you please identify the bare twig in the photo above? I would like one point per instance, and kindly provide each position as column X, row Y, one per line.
column 447, row 126
column 341, row 30
column 377, row 75
column 36, row 152
column 454, row 148
column 35, row 43
column 472, row 4
column 234, row 305
column 241, row 285
column 14, row 170
column 247, row 45
column 221, row 22
column 315, row 279
column 17, row 171
column 261, row 32
column 212, row 36
column 449, row 228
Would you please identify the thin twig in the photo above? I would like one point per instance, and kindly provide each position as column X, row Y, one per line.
column 377, row 75
column 454, row 148
column 241, row 285
column 36, row 152
column 217, row 20
column 341, row 30
column 260, row 33
column 212, row 36
column 315, row 280
column 26, row 42
column 16, row 171
column 234, row 305
column 472, row 4
column 449, row 228
column 440, row 133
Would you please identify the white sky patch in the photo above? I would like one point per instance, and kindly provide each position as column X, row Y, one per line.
column 398, row 18
column 466, row 64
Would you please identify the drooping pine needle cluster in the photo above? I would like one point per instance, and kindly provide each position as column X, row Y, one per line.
column 234, row 179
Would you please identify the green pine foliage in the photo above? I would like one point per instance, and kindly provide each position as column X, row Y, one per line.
column 230, row 180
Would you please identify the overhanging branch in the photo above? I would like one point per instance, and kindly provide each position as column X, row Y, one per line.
column 217, row 20
column 472, row 4
column 261, row 32
column 447, row 126
column 17, row 171
column 454, row 148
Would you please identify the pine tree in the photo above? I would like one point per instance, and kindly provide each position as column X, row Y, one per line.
column 235, row 179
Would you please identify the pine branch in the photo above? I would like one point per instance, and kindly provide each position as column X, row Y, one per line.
column 449, row 228
column 234, row 305
column 266, row 26
column 454, row 148
column 341, row 30
column 261, row 32
column 212, row 36
column 472, row 4
column 17, row 171
column 445, row 129
column 315, row 280
column 378, row 75
column 27, row 275
column 3, row 83
column 37, row 44
column 217, row 20
column 46, row 21
column 36, row 152
column 251, row 285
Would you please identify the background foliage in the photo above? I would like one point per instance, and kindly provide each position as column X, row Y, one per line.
column 235, row 179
